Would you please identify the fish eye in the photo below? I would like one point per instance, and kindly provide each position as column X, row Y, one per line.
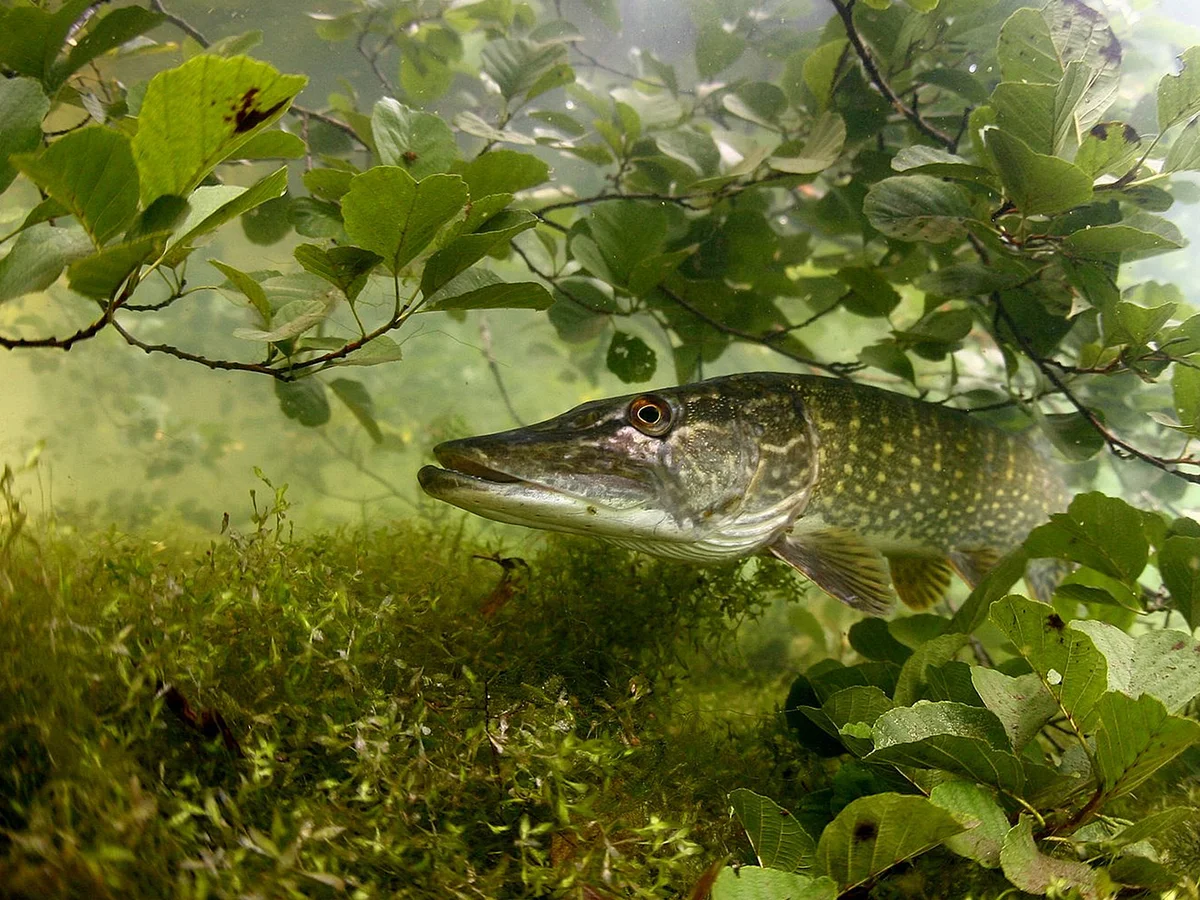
column 650, row 415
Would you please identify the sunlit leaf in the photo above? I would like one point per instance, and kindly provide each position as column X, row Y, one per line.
column 756, row 883
column 1179, row 94
column 195, row 115
column 820, row 151
column 38, row 257
column 1164, row 664
column 419, row 142
column 1036, row 183
column 971, row 803
column 480, row 288
column 204, row 218
column 1135, row 738
column 918, row 208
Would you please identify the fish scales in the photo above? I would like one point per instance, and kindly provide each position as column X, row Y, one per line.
column 919, row 476
column 868, row 493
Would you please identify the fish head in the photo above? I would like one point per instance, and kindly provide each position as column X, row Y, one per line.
column 710, row 470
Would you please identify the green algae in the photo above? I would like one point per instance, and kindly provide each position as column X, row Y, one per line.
column 361, row 713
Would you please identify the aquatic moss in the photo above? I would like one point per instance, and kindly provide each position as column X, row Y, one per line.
column 363, row 710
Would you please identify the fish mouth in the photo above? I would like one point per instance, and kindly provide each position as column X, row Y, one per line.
column 465, row 472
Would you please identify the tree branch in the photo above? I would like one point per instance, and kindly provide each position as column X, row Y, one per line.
column 845, row 11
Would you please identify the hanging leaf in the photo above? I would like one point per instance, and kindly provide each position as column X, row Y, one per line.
column 630, row 358
column 467, row 249
column 38, row 257
column 356, row 398
column 820, row 151
column 304, row 401
column 483, row 289
column 1179, row 95
column 198, row 114
column 100, row 274
column 204, row 218
column 1037, row 184
column 970, row 803
column 1037, row 873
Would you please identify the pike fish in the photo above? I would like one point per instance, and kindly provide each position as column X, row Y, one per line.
column 868, row 493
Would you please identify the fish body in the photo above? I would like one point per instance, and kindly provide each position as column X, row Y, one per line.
column 865, row 491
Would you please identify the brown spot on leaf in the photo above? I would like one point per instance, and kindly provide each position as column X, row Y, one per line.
column 865, row 831
column 410, row 157
column 1055, row 622
column 1178, row 645
column 1100, row 131
column 246, row 116
column 1131, row 135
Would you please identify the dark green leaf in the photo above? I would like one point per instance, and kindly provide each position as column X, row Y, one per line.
column 756, row 883
column 918, row 208
column 304, row 401
column 1136, row 738
column 503, row 172
column 1065, row 660
column 630, row 358
column 870, row 294
column 357, row 399
column 1179, row 563
column 972, row 803
column 482, row 289
column 518, row 65
column 247, row 285
column 1179, row 95
column 100, row 274
column 23, row 105
column 716, row 48
column 1139, row 235
column 347, row 268
column 1098, row 531
column 1022, row 704
column 1109, row 148
column 874, row 833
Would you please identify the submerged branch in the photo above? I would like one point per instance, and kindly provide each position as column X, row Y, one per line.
column 845, row 11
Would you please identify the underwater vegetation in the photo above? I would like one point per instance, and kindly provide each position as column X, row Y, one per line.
column 397, row 713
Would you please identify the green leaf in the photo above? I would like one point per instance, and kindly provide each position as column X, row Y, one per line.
column 717, row 49
column 918, row 208
column 968, row 280
column 1022, row 704
column 995, row 584
column 1035, row 872
column 517, row 65
column 292, row 320
column 755, row 883
column 870, row 293
column 912, row 682
column 31, row 38
column 1184, row 153
column 1128, row 323
column 316, row 218
column 821, row 69
column 273, row 144
column 483, row 289
column 346, row 268
column 304, row 401
column 778, row 840
column 970, row 803
column 390, row 214
column 92, row 174
column 886, row 355
column 630, row 358
column 1038, row 46
column 200, row 113
column 467, row 249
column 616, row 236
column 1102, row 532
column 503, row 172
column 1036, row 184
column 357, row 399
column 1072, row 434
column 100, row 274
column 248, row 286
column 1070, row 668
column 1179, row 95
column 1152, row 826
column 874, row 833
column 965, row 740
column 103, row 34
column 1140, row 234
column 1164, row 664
column 377, row 351
column 1178, row 561
column 1109, row 148
column 203, row 218
column 38, row 257
column 1136, row 738
column 820, row 151
column 23, row 105
column 418, row 142
column 328, row 184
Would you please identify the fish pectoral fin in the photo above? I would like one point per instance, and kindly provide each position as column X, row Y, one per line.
column 921, row 581
column 972, row 565
column 841, row 564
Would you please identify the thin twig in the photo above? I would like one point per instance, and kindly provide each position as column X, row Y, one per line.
column 845, row 11
column 485, row 338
